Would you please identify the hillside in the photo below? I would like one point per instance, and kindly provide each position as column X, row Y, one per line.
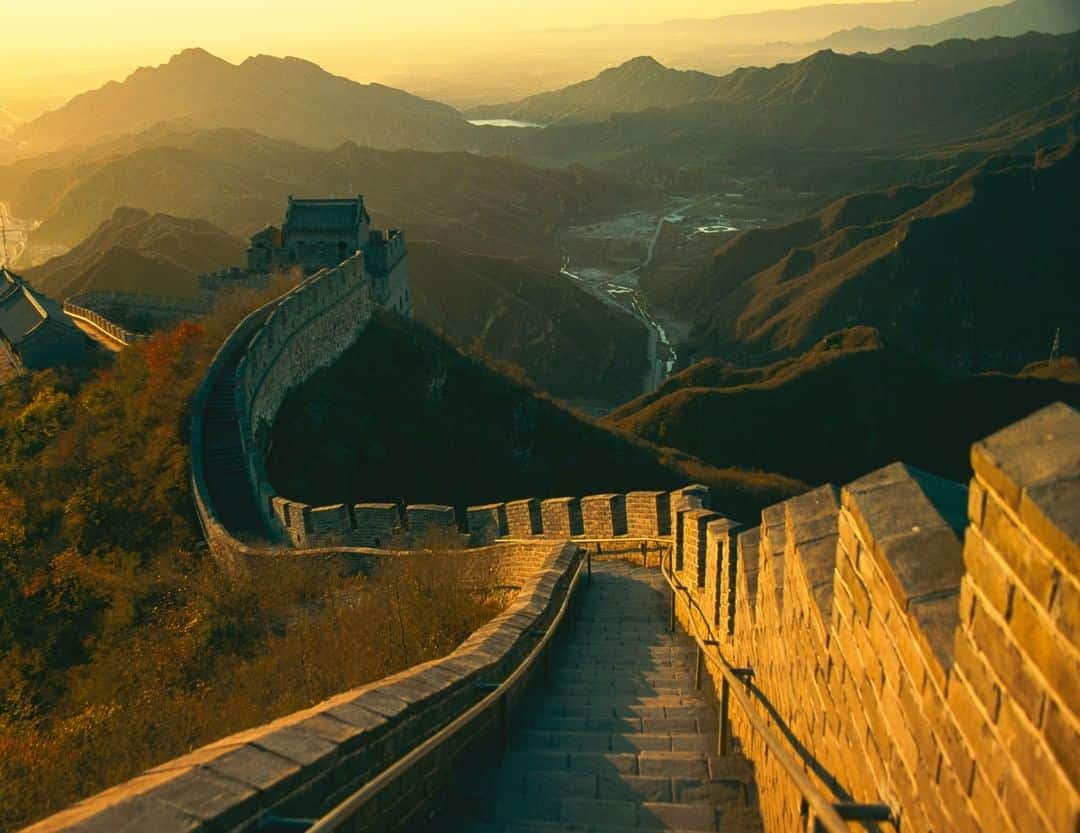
column 850, row 106
column 285, row 98
column 135, row 251
column 974, row 275
column 239, row 181
column 402, row 415
column 566, row 340
column 636, row 85
column 848, row 405
column 1054, row 17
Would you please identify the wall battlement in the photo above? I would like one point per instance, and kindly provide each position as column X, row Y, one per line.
column 914, row 640
column 272, row 351
column 919, row 639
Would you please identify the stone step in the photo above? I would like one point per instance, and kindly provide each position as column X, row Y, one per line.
column 601, row 711
column 624, row 724
column 676, row 743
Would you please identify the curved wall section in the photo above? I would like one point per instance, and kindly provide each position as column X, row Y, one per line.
column 306, row 331
column 274, row 349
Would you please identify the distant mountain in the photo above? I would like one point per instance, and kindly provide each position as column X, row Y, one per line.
column 239, row 181
column 8, row 122
column 285, row 98
column 848, row 405
column 1054, row 17
column 827, row 101
column 972, row 275
column 638, row 84
column 567, row 341
column 135, row 251
column 403, row 415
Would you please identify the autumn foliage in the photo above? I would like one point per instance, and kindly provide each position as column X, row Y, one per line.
column 122, row 643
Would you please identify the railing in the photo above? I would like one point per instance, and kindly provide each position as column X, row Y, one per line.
column 820, row 811
column 99, row 322
column 347, row 809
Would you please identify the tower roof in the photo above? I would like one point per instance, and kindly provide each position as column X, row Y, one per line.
column 23, row 310
column 325, row 214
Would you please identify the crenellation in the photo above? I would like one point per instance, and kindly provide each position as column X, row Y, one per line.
column 486, row 523
column 331, row 524
column 523, row 518
column 430, row 521
column 561, row 516
column 695, row 544
column 648, row 514
column 603, row 516
column 376, row 524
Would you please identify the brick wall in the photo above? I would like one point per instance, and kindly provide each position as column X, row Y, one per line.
column 917, row 638
column 303, row 764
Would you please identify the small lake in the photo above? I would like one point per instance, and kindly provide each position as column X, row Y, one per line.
column 503, row 123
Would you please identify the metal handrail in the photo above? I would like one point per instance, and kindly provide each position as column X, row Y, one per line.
column 823, row 812
column 355, row 802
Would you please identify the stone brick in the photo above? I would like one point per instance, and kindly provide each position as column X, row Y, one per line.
column 1042, row 448
column 987, row 806
column 648, row 514
column 604, row 516
column 1049, row 511
column 1065, row 609
column 1058, row 661
column 978, row 673
column 557, row 517
column 1033, row 762
column 911, row 521
column 329, row 523
column 1025, row 557
column 1021, row 804
column 1061, row 730
column 523, row 518
column 1018, row 678
column 376, row 523
column 486, row 523
column 986, row 568
column 430, row 521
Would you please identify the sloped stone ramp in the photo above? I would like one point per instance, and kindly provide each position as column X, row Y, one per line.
column 619, row 739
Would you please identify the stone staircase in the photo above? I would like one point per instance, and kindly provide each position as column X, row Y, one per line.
column 620, row 739
column 223, row 460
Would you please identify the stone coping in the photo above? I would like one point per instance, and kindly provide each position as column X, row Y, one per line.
column 302, row 764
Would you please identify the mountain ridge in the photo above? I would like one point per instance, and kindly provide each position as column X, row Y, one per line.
column 286, row 98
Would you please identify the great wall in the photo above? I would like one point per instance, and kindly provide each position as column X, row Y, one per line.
column 900, row 653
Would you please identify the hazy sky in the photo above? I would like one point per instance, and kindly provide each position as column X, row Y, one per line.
column 40, row 36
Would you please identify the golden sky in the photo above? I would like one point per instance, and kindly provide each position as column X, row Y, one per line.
column 41, row 36
column 53, row 49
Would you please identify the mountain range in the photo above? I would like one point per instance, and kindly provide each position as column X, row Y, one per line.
column 283, row 98
column 970, row 275
column 135, row 251
column 513, row 313
column 510, row 311
column 436, row 426
column 1055, row 17
column 240, row 180
column 644, row 83
column 860, row 405
column 838, row 113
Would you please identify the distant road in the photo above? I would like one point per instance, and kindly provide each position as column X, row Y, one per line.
column 14, row 236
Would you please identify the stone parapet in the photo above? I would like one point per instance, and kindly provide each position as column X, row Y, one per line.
column 917, row 641
column 303, row 764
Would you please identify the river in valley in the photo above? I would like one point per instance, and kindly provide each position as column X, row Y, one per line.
column 608, row 258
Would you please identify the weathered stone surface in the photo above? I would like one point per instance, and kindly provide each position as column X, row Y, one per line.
column 1041, row 449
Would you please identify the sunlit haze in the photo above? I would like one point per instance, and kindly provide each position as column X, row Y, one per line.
column 55, row 48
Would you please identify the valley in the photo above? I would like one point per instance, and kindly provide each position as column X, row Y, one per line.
column 501, row 313
column 609, row 257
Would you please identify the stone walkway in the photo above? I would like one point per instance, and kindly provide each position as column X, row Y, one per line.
column 620, row 740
